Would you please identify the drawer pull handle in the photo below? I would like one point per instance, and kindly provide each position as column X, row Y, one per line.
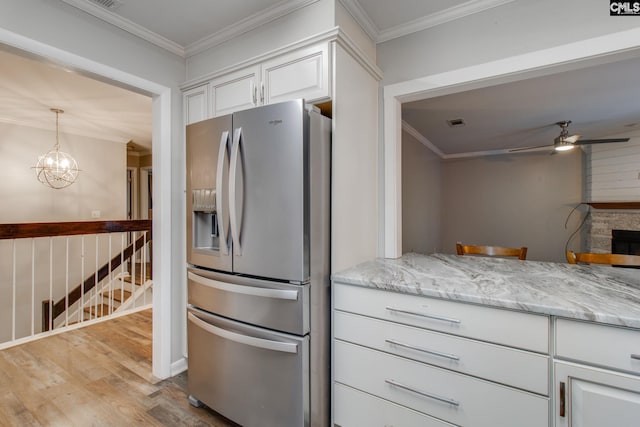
column 635, row 356
column 423, row 393
column 424, row 350
column 283, row 347
column 284, row 294
column 428, row 316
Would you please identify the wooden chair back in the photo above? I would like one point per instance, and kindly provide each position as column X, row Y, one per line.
column 520, row 253
column 611, row 259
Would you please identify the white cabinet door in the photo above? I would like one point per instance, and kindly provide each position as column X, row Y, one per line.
column 235, row 91
column 300, row 74
column 591, row 397
column 195, row 104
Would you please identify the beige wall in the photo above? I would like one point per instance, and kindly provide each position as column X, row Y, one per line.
column 507, row 200
column 513, row 200
column 421, row 197
column 101, row 183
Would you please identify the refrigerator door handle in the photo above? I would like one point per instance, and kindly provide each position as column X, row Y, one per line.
column 235, row 213
column 283, row 294
column 223, row 216
column 283, row 347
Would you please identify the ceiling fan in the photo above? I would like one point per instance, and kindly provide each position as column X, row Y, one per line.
column 565, row 142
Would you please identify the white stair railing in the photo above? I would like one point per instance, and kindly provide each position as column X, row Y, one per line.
column 41, row 264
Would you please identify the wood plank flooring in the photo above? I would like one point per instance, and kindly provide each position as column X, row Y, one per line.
column 99, row 375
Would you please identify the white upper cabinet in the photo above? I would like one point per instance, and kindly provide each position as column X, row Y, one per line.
column 300, row 74
column 195, row 104
column 235, row 91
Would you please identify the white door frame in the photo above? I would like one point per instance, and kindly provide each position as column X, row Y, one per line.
column 161, row 147
column 571, row 56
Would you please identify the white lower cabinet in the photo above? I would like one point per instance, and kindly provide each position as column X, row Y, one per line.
column 393, row 371
column 593, row 397
column 599, row 383
column 364, row 409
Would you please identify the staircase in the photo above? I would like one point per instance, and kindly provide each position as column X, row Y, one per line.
column 124, row 291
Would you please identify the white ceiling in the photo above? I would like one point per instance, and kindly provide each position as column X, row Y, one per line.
column 600, row 101
column 29, row 88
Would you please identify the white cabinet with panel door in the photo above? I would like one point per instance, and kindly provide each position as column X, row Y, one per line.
column 301, row 73
column 235, row 91
column 599, row 383
column 594, row 397
column 195, row 104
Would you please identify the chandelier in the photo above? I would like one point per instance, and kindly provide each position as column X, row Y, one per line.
column 56, row 168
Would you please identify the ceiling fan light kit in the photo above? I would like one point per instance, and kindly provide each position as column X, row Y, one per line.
column 566, row 142
column 56, row 169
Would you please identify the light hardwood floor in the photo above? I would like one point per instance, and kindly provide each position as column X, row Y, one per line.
column 99, row 375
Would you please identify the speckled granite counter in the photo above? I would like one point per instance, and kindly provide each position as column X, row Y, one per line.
column 587, row 292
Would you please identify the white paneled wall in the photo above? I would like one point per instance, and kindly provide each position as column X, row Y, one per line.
column 613, row 172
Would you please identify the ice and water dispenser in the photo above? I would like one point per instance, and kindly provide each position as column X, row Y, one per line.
column 205, row 219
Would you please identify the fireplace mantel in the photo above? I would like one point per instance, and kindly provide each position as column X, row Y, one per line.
column 614, row 205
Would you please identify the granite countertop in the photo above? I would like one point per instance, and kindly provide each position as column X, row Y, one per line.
column 598, row 293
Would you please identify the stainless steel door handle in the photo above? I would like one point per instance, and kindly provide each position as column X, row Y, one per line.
column 283, row 347
column 283, row 294
column 223, row 220
column 423, row 393
column 428, row 316
column 234, row 212
column 424, row 350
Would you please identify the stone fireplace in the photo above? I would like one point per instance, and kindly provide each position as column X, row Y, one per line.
column 601, row 223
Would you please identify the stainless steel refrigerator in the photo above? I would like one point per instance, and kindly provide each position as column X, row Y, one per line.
column 258, row 194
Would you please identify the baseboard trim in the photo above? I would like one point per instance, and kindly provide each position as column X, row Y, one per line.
column 179, row 366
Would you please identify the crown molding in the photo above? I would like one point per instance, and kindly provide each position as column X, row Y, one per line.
column 424, row 141
column 362, row 18
column 276, row 11
column 432, row 20
column 245, row 25
column 442, row 17
column 126, row 25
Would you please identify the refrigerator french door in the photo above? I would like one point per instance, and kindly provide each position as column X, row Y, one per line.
column 248, row 181
column 258, row 248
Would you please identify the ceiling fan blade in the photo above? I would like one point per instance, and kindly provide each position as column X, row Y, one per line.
column 600, row 141
column 535, row 147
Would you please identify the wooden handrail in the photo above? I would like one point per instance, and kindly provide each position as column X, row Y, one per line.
column 53, row 229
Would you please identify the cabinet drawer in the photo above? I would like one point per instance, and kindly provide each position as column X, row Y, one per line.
column 515, row 329
column 354, row 408
column 602, row 345
column 450, row 396
column 518, row 368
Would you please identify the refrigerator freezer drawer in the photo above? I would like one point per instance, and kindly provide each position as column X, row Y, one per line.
column 273, row 305
column 250, row 375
